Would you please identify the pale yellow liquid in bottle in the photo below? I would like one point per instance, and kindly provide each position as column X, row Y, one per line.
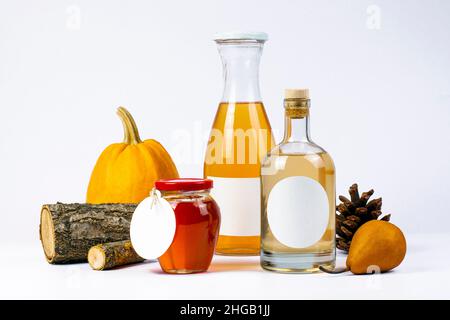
column 235, row 157
column 320, row 168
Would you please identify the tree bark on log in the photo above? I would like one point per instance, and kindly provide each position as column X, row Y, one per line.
column 113, row 254
column 68, row 231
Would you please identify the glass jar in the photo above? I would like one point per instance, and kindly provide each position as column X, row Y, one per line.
column 197, row 225
column 240, row 138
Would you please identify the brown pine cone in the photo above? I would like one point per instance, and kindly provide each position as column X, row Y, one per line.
column 354, row 213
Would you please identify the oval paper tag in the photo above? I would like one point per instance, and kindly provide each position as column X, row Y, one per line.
column 152, row 226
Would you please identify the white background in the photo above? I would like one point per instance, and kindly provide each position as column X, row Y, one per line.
column 378, row 72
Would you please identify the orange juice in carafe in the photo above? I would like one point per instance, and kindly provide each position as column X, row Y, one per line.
column 240, row 138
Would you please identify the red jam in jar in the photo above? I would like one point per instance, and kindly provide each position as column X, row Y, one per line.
column 197, row 225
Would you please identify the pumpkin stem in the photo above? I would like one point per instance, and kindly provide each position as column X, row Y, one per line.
column 130, row 130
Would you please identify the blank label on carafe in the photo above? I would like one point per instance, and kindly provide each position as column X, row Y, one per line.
column 239, row 202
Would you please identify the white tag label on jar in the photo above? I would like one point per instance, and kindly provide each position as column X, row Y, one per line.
column 240, row 205
column 153, row 226
column 298, row 211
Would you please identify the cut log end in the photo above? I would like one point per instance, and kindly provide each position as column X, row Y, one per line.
column 47, row 233
column 97, row 258
column 113, row 254
column 68, row 231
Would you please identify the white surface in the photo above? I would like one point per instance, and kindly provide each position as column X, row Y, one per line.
column 425, row 273
column 240, row 205
column 298, row 211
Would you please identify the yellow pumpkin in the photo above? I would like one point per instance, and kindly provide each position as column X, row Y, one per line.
column 126, row 172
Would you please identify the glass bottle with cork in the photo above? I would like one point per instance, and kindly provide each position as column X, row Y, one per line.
column 298, row 196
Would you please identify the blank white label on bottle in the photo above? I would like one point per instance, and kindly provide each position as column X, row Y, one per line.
column 240, row 205
column 298, row 211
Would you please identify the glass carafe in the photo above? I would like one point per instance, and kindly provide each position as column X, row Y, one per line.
column 240, row 138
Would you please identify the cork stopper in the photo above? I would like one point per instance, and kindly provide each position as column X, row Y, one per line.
column 296, row 103
column 296, row 94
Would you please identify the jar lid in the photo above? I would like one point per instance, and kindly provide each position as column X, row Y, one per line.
column 186, row 184
column 224, row 36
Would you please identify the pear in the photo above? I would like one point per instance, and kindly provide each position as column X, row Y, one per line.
column 377, row 246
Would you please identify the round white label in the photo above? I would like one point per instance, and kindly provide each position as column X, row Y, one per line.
column 153, row 226
column 298, row 211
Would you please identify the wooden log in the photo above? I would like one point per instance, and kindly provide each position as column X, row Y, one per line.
column 113, row 254
column 68, row 231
